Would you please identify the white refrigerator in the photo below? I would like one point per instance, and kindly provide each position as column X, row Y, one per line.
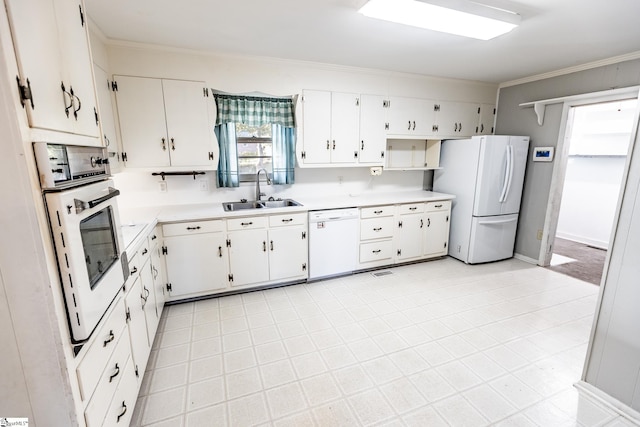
column 486, row 174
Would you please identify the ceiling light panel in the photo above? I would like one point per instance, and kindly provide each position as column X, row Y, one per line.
column 462, row 18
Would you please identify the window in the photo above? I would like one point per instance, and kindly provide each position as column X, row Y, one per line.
column 255, row 150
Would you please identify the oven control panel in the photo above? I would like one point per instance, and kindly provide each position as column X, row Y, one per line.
column 63, row 166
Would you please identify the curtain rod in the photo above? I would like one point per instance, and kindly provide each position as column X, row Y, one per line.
column 252, row 98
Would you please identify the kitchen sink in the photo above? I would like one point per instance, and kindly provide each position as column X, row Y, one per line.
column 244, row 205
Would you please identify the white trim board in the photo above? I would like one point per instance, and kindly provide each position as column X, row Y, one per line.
column 608, row 401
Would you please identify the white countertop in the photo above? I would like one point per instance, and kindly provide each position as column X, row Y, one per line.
column 140, row 219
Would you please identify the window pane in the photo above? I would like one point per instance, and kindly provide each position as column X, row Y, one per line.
column 252, row 166
column 254, row 149
column 245, row 131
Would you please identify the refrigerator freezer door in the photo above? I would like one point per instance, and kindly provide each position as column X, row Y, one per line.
column 492, row 238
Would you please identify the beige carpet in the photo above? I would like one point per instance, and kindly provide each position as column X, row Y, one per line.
column 578, row 260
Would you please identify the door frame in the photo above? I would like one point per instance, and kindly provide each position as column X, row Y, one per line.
column 562, row 156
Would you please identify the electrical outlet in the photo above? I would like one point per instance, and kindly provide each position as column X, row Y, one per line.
column 376, row 171
column 203, row 184
column 163, row 186
column 539, row 235
column 340, row 179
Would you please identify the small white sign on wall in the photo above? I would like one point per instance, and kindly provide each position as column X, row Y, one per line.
column 542, row 154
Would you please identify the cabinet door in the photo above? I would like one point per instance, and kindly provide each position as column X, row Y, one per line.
column 77, row 68
column 373, row 135
column 248, row 257
column 188, row 126
column 196, row 264
column 345, row 118
column 107, row 120
column 316, row 119
column 436, row 235
column 142, row 122
column 457, row 119
column 134, row 303
column 487, row 117
column 39, row 52
column 288, row 253
column 409, row 236
column 410, row 116
column 149, row 301
column 158, row 277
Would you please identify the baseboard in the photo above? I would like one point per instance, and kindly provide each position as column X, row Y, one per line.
column 606, row 400
column 525, row 259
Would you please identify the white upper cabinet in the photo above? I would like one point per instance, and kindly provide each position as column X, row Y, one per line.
column 107, row 118
column 54, row 61
column 331, row 127
column 411, row 117
column 455, row 119
column 164, row 123
column 373, row 135
column 487, row 119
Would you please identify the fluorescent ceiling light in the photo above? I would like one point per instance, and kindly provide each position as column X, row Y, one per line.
column 460, row 17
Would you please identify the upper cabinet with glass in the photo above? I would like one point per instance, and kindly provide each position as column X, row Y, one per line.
column 165, row 123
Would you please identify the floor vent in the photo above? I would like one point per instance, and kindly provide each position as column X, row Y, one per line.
column 382, row 273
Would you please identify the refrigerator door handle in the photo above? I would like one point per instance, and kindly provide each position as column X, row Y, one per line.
column 512, row 164
column 500, row 221
column 507, row 170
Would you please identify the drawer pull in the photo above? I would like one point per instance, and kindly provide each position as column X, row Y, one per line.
column 145, row 251
column 421, row 223
column 111, row 338
column 377, row 212
column 271, row 245
column 244, row 224
column 124, row 411
column 134, row 270
column 154, row 237
column 194, row 228
column 377, row 251
column 287, row 220
column 413, row 208
column 264, row 246
column 377, row 229
column 220, row 251
column 115, row 374
column 437, row 206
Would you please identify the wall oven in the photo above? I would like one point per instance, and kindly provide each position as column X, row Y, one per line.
column 81, row 203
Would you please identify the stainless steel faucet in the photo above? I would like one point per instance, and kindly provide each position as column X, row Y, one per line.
column 258, row 193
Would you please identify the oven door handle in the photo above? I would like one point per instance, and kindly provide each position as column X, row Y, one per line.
column 81, row 205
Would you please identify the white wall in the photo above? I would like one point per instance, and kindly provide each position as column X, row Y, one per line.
column 276, row 77
column 589, row 199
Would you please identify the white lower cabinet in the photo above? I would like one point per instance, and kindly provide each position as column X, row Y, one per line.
column 136, row 319
column 376, row 234
column 410, row 228
column 196, row 258
column 436, row 228
column 248, row 256
column 158, row 273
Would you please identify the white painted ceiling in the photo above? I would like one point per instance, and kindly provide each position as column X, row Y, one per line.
column 554, row 34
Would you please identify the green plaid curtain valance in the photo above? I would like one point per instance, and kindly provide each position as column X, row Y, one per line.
column 254, row 111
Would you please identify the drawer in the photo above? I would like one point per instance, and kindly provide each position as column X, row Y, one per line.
column 411, row 208
column 108, row 383
column 376, row 228
column 443, row 205
column 376, row 251
column 123, row 403
column 101, row 349
column 194, row 227
column 247, row 223
column 377, row 211
column 287, row 219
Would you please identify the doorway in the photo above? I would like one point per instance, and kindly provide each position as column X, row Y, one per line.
column 596, row 144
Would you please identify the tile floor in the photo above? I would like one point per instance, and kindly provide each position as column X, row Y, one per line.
column 435, row 343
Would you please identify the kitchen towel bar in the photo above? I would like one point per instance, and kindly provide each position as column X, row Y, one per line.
column 165, row 174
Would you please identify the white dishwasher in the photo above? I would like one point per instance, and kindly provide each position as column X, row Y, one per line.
column 333, row 242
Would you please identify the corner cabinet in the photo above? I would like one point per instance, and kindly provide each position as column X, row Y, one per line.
column 165, row 123
column 104, row 90
column 56, row 78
